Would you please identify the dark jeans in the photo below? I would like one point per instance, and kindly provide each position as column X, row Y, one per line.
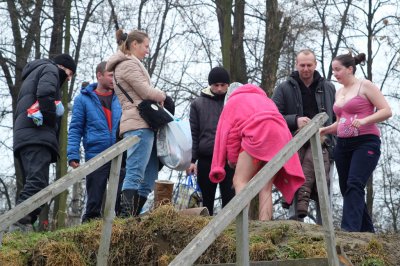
column 209, row 188
column 96, row 184
column 35, row 161
column 356, row 159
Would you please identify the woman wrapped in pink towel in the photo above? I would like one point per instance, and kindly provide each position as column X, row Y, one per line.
column 250, row 132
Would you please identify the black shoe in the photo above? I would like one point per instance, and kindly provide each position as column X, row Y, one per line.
column 28, row 219
column 285, row 205
column 20, row 227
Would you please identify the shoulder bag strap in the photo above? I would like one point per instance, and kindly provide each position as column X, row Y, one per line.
column 122, row 89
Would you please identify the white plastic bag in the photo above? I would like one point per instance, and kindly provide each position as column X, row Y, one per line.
column 174, row 144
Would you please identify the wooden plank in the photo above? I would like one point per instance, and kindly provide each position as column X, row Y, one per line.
column 242, row 237
column 109, row 211
column 291, row 262
column 323, row 197
column 65, row 182
column 209, row 233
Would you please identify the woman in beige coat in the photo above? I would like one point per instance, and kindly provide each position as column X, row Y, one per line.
column 132, row 76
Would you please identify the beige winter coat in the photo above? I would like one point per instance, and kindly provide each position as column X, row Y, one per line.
column 134, row 78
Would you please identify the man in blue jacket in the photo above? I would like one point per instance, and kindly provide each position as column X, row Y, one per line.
column 95, row 120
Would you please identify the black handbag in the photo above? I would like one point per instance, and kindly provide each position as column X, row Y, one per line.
column 151, row 112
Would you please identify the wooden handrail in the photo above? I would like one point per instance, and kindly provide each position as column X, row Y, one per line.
column 64, row 183
column 236, row 206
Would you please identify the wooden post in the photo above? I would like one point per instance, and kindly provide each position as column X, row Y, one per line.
column 323, row 198
column 242, row 238
column 109, row 211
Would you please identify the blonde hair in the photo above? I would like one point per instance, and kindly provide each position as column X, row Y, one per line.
column 124, row 40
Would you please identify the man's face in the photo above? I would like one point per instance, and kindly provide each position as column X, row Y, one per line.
column 67, row 71
column 306, row 64
column 219, row 88
column 106, row 80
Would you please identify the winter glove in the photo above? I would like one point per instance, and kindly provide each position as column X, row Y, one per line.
column 37, row 116
column 59, row 108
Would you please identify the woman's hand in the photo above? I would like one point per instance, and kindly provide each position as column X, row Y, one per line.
column 192, row 169
column 358, row 122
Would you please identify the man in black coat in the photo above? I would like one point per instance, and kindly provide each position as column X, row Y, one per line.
column 302, row 96
column 205, row 111
column 36, row 140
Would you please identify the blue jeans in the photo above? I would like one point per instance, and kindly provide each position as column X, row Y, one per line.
column 141, row 163
column 356, row 159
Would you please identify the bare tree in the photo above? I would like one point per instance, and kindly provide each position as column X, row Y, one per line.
column 231, row 37
column 276, row 30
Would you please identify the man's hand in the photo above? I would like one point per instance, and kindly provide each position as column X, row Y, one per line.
column 302, row 121
column 192, row 169
column 74, row 164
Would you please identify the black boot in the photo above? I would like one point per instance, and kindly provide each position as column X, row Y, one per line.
column 128, row 198
column 139, row 202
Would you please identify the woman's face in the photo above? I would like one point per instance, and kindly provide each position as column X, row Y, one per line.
column 341, row 72
column 140, row 50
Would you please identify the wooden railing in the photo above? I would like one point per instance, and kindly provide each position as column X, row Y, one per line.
column 114, row 154
column 238, row 207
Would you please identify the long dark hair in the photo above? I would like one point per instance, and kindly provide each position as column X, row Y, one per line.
column 348, row 60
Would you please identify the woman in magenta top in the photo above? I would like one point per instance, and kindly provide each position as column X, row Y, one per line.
column 250, row 132
column 359, row 105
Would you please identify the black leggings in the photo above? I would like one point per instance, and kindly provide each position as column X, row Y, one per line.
column 209, row 188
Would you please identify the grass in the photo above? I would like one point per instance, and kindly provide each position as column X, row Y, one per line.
column 157, row 238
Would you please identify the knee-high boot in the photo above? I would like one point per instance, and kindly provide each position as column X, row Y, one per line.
column 139, row 202
column 128, row 197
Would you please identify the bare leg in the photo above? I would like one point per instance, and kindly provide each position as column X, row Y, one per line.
column 244, row 172
column 265, row 204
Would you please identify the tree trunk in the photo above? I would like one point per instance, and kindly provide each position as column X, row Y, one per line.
column 371, row 34
column 61, row 10
column 275, row 34
column 224, row 12
column 238, row 67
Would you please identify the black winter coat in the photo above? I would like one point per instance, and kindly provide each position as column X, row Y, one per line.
column 204, row 115
column 287, row 97
column 41, row 83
